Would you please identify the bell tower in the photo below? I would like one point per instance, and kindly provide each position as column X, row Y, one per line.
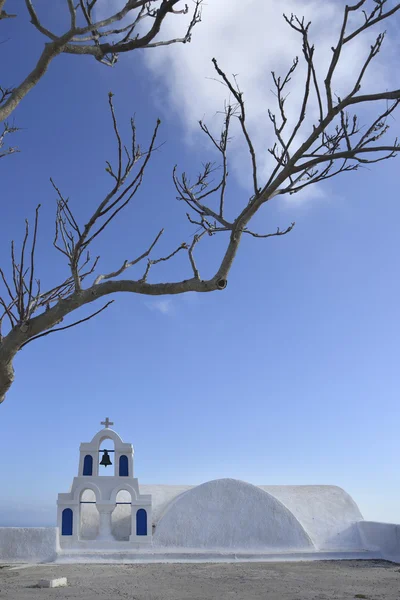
column 105, row 491
column 90, row 454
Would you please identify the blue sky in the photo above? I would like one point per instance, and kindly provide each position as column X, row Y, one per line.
column 289, row 376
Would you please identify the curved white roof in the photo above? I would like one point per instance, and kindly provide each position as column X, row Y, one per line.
column 326, row 512
column 227, row 513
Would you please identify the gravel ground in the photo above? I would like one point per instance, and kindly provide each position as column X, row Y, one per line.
column 319, row 580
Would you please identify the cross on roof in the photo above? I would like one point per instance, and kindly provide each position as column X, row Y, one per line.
column 107, row 422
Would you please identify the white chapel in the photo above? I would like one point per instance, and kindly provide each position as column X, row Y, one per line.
column 106, row 514
column 86, row 515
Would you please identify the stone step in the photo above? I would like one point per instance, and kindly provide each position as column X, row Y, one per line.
column 212, row 556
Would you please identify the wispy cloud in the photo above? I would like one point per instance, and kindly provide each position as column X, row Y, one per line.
column 251, row 39
column 162, row 305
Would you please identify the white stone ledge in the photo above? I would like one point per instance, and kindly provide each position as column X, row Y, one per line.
column 53, row 583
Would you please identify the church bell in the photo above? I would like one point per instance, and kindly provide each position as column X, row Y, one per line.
column 105, row 461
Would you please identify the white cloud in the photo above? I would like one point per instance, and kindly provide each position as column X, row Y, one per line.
column 306, row 197
column 162, row 305
column 250, row 38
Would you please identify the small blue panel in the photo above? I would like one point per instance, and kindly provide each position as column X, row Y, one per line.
column 67, row 519
column 123, row 466
column 88, row 465
column 141, row 522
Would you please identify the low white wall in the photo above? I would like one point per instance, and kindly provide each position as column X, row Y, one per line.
column 28, row 544
column 381, row 536
column 39, row 544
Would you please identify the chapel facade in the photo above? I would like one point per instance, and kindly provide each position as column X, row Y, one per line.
column 85, row 514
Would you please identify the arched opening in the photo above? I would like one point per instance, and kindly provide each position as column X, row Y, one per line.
column 121, row 518
column 67, row 518
column 141, row 522
column 123, row 466
column 88, row 465
column 110, row 470
column 89, row 516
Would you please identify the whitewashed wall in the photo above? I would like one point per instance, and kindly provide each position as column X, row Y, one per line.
column 381, row 536
column 28, row 544
column 227, row 514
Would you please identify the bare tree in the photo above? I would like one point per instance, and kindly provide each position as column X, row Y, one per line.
column 103, row 39
column 335, row 143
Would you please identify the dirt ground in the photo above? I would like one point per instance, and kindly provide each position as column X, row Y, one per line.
column 322, row 580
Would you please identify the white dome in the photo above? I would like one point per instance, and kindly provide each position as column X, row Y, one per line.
column 230, row 514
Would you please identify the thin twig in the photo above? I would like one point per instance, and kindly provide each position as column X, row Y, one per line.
column 67, row 326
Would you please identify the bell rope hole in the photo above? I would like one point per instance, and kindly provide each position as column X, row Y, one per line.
column 67, row 521
column 123, row 466
column 121, row 517
column 89, row 518
column 141, row 522
column 88, row 465
column 107, row 444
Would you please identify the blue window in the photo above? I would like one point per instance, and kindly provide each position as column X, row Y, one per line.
column 66, row 522
column 123, row 466
column 141, row 522
column 88, row 465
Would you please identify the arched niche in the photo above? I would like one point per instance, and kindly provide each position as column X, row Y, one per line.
column 67, row 521
column 89, row 518
column 121, row 518
column 89, row 485
column 107, row 443
column 141, row 522
column 87, row 465
column 123, row 466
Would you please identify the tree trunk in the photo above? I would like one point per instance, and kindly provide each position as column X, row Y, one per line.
column 6, row 372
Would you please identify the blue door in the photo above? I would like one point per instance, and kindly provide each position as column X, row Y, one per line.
column 66, row 522
column 123, row 466
column 141, row 522
column 88, row 465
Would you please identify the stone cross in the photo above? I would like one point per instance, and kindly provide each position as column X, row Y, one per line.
column 107, row 422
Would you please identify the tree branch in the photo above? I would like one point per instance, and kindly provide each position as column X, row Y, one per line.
column 68, row 326
column 334, row 143
column 106, row 52
column 3, row 14
column 7, row 130
column 128, row 264
column 237, row 94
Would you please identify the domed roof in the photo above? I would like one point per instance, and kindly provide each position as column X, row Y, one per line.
column 230, row 514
